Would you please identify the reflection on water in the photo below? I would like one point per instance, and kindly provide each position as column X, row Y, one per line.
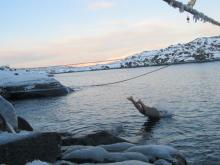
column 191, row 92
column 149, row 125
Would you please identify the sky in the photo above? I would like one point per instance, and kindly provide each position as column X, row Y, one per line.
column 37, row 33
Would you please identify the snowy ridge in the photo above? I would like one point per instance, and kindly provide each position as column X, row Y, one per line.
column 200, row 50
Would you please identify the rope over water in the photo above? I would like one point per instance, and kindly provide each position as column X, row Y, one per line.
column 128, row 79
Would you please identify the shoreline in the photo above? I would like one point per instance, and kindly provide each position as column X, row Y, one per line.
column 179, row 63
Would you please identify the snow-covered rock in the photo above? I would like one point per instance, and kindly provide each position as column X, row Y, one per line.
column 13, row 77
column 159, row 154
column 25, row 83
column 117, row 147
column 7, row 111
column 37, row 162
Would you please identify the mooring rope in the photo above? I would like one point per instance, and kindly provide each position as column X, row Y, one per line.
column 128, row 79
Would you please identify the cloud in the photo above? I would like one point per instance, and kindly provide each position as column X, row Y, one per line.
column 101, row 5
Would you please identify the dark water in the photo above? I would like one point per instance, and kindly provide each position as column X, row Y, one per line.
column 191, row 92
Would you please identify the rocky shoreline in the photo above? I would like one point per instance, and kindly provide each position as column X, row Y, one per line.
column 66, row 149
column 19, row 144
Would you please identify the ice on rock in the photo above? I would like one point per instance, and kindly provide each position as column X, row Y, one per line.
column 118, row 147
column 97, row 154
column 155, row 151
column 37, row 162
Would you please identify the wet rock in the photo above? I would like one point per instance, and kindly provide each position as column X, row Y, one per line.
column 24, row 125
column 4, row 93
column 162, row 162
column 10, row 122
column 155, row 154
column 97, row 138
column 38, row 90
column 18, row 149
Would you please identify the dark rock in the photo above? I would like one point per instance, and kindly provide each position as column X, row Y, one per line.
column 18, row 149
column 4, row 93
column 3, row 126
column 39, row 90
column 97, row 138
column 23, row 124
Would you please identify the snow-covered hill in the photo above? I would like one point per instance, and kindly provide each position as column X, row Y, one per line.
column 200, row 50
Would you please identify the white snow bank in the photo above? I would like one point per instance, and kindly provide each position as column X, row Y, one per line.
column 10, row 137
column 124, row 152
column 119, row 157
column 118, row 147
column 162, row 162
column 23, row 77
column 97, row 154
column 130, row 162
column 7, row 110
column 155, row 151
column 37, row 162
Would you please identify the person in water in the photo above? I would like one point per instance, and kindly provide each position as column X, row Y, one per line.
column 150, row 112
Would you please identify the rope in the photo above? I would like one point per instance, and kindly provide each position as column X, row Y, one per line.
column 96, row 85
column 128, row 79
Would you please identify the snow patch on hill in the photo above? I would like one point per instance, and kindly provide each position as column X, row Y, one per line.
column 200, row 50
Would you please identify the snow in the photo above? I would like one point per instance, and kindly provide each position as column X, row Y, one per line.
column 12, row 77
column 10, row 137
column 37, row 162
column 97, row 154
column 8, row 112
column 178, row 53
column 118, row 147
column 130, row 162
column 110, row 153
column 100, row 154
column 162, row 162
column 155, row 151
column 119, row 157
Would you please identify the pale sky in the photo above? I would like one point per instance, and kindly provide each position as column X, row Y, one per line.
column 55, row 32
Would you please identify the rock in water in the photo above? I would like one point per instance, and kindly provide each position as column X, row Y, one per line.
column 9, row 120
column 8, row 112
column 97, row 138
column 23, row 124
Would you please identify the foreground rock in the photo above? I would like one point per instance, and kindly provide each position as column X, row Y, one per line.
column 94, row 139
column 152, row 154
column 38, row 90
column 18, row 149
column 25, row 147
column 9, row 121
column 20, row 84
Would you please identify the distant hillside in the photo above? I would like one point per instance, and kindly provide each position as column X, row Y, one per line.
column 200, row 50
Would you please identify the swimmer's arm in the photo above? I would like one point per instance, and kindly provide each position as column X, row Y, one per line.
column 136, row 104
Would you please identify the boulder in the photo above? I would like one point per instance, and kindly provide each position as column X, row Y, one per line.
column 4, row 93
column 38, row 90
column 94, row 139
column 18, row 149
column 9, row 120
